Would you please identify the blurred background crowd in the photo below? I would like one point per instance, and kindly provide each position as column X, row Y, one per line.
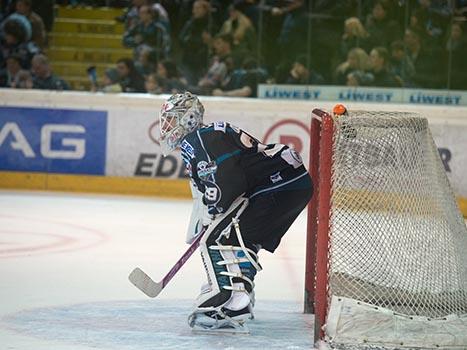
column 228, row 47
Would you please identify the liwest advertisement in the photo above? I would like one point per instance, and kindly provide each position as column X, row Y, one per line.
column 363, row 94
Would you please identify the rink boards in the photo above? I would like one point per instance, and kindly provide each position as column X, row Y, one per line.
column 108, row 143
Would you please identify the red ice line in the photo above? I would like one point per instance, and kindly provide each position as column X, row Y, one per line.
column 65, row 240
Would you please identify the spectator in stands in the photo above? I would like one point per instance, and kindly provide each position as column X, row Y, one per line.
column 395, row 10
column 43, row 76
column 9, row 76
column 129, row 77
column 359, row 78
column 14, row 41
column 355, row 35
column 379, row 60
column 131, row 16
column 146, row 60
column 401, row 65
column 243, row 82
column 169, row 77
column 148, row 32
column 357, row 60
column 300, row 73
column 413, row 44
column 194, row 39
column 153, row 84
column 251, row 9
column 162, row 15
column 430, row 20
column 456, row 51
column 9, row 73
column 427, row 62
column 242, row 31
column 382, row 29
column 23, row 22
column 38, row 35
column 456, row 39
column 418, row 25
column 219, row 67
column 24, row 80
column 109, row 83
column 293, row 26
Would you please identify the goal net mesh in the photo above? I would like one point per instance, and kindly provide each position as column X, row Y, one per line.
column 397, row 238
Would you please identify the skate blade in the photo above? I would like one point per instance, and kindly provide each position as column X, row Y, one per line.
column 202, row 324
column 200, row 329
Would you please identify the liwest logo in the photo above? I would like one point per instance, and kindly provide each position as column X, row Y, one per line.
column 51, row 140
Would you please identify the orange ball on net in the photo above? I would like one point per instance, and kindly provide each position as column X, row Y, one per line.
column 339, row 109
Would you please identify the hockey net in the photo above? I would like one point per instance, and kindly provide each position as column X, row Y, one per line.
column 387, row 245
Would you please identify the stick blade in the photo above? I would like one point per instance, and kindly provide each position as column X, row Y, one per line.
column 144, row 283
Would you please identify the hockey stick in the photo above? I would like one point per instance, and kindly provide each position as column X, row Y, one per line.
column 152, row 289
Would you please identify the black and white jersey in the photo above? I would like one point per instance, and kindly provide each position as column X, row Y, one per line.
column 225, row 162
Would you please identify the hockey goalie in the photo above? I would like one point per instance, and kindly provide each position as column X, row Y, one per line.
column 246, row 195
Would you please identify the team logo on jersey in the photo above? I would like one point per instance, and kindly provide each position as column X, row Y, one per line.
column 212, row 193
column 296, row 156
column 292, row 157
column 187, row 149
column 188, row 169
column 205, row 169
column 220, row 126
column 276, row 177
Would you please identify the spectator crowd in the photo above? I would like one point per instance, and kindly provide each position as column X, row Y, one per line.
column 228, row 47
column 23, row 37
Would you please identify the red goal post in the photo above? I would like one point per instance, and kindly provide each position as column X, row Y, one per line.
column 321, row 131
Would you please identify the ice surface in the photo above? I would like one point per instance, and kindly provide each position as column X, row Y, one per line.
column 64, row 262
column 160, row 324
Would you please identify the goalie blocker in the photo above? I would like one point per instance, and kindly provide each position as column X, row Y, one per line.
column 262, row 188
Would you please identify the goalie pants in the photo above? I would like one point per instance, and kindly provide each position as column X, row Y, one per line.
column 270, row 213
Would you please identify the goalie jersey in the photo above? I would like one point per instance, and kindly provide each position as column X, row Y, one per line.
column 225, row 162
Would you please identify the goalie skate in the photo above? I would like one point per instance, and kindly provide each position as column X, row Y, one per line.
column 219, row 322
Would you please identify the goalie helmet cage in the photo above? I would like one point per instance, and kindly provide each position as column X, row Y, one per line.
column 386, row 244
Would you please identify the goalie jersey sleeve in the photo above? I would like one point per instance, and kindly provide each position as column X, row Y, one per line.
column 225, row 162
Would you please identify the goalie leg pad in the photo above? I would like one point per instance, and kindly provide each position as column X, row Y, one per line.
column 230, row 270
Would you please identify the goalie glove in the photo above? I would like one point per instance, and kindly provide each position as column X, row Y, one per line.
column 200, row 216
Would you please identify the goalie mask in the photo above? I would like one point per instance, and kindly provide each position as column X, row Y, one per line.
column 180, row 115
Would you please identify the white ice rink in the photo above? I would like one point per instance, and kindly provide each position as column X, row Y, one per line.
column 64, row 262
